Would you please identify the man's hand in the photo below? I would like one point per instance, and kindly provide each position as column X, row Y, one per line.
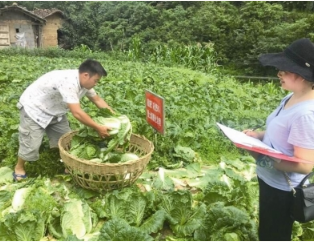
column 84, row 118
column 102, row 131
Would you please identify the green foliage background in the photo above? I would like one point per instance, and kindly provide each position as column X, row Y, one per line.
column 239, row 30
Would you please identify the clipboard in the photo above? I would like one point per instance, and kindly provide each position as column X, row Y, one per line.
column 243, row 141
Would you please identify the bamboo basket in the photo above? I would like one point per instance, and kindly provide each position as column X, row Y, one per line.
column 106, row 176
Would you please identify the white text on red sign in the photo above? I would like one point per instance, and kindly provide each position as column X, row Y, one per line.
column 154, row 118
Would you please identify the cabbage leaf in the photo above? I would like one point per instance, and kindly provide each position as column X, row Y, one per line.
column 86, row 144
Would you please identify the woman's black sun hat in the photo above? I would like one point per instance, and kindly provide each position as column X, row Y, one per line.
column 296, row 58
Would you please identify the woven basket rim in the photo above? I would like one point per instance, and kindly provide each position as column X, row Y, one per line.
column 88, row 162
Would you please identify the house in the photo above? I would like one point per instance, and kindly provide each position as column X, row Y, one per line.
column 29, row 29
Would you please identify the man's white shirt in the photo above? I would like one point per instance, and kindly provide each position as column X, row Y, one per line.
column 48, row 96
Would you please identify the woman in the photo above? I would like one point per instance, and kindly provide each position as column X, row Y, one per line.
column 290, row 129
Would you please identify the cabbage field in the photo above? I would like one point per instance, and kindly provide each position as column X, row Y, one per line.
column 197, row 185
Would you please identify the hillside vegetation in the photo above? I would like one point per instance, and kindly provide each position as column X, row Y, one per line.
column 238, row 30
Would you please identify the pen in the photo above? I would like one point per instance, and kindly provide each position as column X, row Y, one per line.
column 255, row 128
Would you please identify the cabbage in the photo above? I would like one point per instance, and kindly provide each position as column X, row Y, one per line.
column 115, row 157
column 129, row 156
column 19, row 198
column 76, row 219
column 87, row 144
column 114, row 124
column 5, row 175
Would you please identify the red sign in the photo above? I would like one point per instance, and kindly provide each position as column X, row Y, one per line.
column 155, row 111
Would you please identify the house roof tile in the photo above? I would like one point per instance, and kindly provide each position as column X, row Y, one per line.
column 38, row 14
column 43, row 13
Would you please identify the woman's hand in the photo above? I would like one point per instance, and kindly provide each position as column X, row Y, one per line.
column 255, row 134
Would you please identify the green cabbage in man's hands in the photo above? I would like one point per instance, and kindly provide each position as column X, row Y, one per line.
column 88, row 145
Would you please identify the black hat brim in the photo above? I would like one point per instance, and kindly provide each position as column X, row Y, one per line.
column 283, row 63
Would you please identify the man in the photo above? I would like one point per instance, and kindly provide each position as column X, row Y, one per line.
column 44, row 104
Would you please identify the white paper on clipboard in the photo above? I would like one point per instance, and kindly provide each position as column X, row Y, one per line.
column 241, row 140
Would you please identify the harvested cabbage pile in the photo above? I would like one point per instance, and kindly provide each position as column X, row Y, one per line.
column 86, row 144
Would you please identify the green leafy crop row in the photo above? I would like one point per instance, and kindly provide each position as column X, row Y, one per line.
column 194, row 102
